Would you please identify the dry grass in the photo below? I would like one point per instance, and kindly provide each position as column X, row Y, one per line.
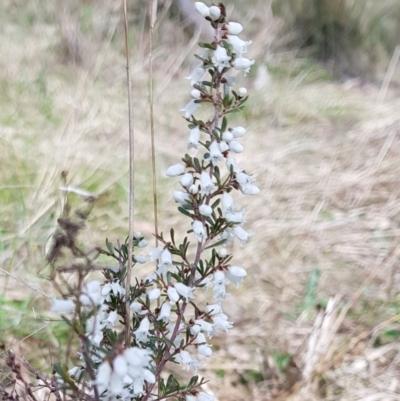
column 326, row 226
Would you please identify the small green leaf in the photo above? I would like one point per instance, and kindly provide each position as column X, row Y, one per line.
column 222, row 242
column 185, row 212
column 235, row 110
column 206, row 45
column 224, row 125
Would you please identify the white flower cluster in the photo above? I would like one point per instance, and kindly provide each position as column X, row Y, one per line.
column 200, row 186
column 125, row 375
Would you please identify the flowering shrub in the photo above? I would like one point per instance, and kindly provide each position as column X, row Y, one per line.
column 166, row 325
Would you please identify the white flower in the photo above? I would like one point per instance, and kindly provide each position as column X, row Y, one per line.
column 215, row 13
column 195, row 93
column 184, row 290
column 223, row 146
column 194, row 138
column 62, row 305
column 245, row 182
column 234, row 28
column 111, row 319
column 236, row 147
column 186, row 180
column 149, row 376
column 215, row 153
column 140, row 259
column 250, row 190
column 137, row 307
column 165, row 262
column 231, row 162
column 243, row 64
column 221, row 58
column 103, row 376
column 165, row 312
column 204, row 326
column 196, row 75
column 181, row 197
column 172, row 294
column 199, row 230
column 190, row 398
column 142, row 332
column 195, row 329
column 219, row 285
column 187, row 361
column 202, row 348
column 207, row 185
column 236, row 274
column 236, row 217
column 239, row 45
column 202, row 9
column 138, row 235
column 155, row 253
column 242, row 92
column 143, row 243
column 228, row 236
column 115, row 288
column 238, row 132
column 175, row 170
column 190, row 108
column 227, row 136
column 242, row 235
column 243, row 179
column 223, row 253
column 120, row 366
column 154, row 294
column 227, row 204
column 91, row 294
column 220, row 322
column 213, row 309
column 194, row 189
column 205, row 210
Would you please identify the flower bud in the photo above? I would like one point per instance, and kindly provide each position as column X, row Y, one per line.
column 138, row 235
column 205, row 210
column 202, row 9
column 140, row 259
column 154, row 294
column 186, row 180
column 172, row 294
column 236, row 147
column 175, row 170
column 193, row 189
column 234, row 28
column 195, row 93
column 199, row 231
column 227, row 136
column 242, row 92
column 181, row 197
column 223, row 253
column 215, row 13
column 238, row 132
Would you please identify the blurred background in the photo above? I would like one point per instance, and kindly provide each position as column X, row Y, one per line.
column 318, row 317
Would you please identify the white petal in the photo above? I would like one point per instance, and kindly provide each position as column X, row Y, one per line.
column 175, row 170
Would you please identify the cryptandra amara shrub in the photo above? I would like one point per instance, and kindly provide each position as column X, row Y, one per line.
column 166, row 325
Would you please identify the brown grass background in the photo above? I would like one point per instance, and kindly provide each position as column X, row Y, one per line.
column 318, row 317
